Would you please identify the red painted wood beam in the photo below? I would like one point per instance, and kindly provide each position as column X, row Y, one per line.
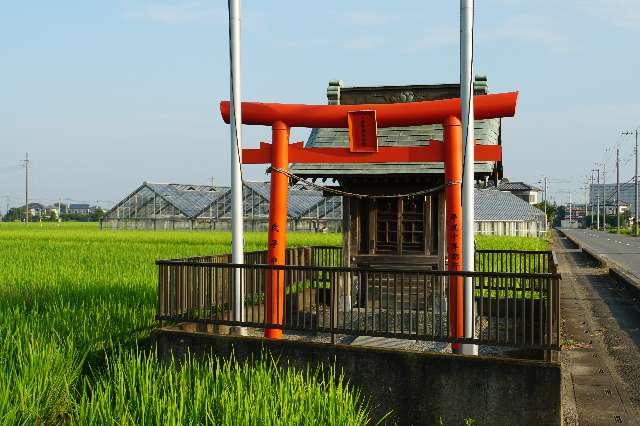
column 387, row 115
column 431, row 153
column 453, row 199
column 277, row 244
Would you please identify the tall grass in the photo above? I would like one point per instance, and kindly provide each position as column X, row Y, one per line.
column 501, row 242
column 137, row 389
column 72, row 297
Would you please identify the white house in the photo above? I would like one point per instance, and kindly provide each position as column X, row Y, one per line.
column 522, row 190
column 503, row 213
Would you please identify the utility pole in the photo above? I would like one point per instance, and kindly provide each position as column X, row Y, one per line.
column 591, row 197
column 617, row 190
column 635, row 176
column 235, row 127
column 598, row 201
column 546, row 222
column 570, row 202
column 468, row 180
column 586, row 200
column 26, row 187
column 544, row 199
column 604, row 197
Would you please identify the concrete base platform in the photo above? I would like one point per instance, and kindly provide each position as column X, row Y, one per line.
column 417, row 387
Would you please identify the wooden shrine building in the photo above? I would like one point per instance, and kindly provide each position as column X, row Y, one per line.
column 406, row 231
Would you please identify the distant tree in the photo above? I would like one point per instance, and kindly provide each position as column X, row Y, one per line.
column 74, row 217
column 612, row 220
column 14, row 214
column 561, row 213
column 587, row 221
column 97, row 214
column 81, row 217
column 552, row 210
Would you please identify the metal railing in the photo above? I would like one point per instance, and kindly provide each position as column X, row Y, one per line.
column 515, row 261
column 518, row 308
column 296, row 256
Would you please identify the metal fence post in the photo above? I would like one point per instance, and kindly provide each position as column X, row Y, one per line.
column 334, row 305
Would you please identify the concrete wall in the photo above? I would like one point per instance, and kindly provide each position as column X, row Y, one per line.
column 512, row 228
column 419, row 387
column 566, row 223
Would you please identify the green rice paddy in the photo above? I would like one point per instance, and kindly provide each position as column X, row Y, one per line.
column 76, row 307
column 513, row 288
column 495, row 242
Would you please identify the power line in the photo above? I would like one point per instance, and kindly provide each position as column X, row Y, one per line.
column 612, row 194
column 618, row 163
column 336, row 191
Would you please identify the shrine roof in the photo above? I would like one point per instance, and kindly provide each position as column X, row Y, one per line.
column 486, row 131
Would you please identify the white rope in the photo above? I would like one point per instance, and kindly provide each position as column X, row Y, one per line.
column 336, row 191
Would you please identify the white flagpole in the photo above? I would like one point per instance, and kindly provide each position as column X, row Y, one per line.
column 468, row 181
column 237, row 235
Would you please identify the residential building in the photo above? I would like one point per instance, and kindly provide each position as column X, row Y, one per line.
column 503, row 213
column 622, row 208
column 627, row 195
column 81, row 209
column 577, row 211
column 522, row 190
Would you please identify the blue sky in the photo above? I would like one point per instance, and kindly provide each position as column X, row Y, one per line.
column 107, row 94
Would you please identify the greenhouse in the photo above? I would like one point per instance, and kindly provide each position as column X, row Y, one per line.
column 179, row 206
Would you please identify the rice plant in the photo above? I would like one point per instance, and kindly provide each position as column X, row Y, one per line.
column 75, row 302
column 503, row 242
column 137, row 389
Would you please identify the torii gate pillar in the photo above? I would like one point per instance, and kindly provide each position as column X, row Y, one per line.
column 453, row 206
column 277, row 235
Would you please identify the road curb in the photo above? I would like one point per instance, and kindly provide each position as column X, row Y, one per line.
column 602, row 260
column 626, row 278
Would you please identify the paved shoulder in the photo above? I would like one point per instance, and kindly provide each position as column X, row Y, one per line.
column 600, row 343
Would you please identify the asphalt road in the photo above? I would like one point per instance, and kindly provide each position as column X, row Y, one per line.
column 622, row 250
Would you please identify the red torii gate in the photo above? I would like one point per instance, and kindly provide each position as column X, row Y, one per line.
column 362, row 121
